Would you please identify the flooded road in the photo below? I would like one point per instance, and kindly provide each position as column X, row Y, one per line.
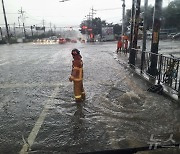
column 38, row 113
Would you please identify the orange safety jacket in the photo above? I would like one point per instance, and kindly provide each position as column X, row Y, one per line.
column 126, row 44
column 77, row 70
column 119, row 44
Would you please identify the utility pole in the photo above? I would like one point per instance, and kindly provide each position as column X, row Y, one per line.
column 1, row 33
column 144, row 33
column 92, row 13
column 132, row 29
column 9, row 28
column 32, row 31
column 50, row 29
column 21, row 29
column 37, row 32
column 5, row 19
column 91, row 33
column 23, row 19
column 155, row 37
column 19, row 22
column 54, row 29
column 43, row 21
column 123, row 16
column 145, row 25
column 123, row 21
column 14, row 29
column 133, row 52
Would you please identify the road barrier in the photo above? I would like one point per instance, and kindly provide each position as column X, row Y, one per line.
column 168, row 69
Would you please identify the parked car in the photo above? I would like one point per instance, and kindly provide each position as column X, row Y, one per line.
column 83, row 41
column 73, row 41
column 176, row 37
column 62, row 40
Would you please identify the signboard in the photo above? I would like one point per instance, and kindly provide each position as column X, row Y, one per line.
column 107, row 34
column 107, row 30
column 40, row 28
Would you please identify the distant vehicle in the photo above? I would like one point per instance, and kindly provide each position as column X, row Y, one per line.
column 73, row 41
column 176, row 37
column 62, row 40
column 68, row 40
column 170, row 36
column 83, row 41
column 52, row 39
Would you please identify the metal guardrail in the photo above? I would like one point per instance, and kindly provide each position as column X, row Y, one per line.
column 168, row 69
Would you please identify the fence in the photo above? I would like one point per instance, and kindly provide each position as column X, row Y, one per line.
column 168, row 69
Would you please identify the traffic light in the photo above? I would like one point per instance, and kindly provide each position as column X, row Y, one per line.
column 84, row 27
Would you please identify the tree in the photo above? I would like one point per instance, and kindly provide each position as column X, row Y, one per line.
column 171, row 15
column 117, row 29
column 92, row 26
column 96, row 26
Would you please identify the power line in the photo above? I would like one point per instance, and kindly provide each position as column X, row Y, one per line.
column 109, row 9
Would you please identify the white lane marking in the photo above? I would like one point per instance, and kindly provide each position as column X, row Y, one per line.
column 38, row 124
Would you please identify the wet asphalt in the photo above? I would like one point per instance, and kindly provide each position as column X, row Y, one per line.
column 38, row 113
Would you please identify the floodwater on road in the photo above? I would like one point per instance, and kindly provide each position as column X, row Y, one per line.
column 38, row 113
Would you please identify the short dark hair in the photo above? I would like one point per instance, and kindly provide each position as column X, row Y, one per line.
column 75, row 52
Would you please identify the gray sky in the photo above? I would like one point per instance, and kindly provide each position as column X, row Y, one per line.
column 69, row 13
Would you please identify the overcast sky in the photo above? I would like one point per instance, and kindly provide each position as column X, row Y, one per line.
column 69, row 13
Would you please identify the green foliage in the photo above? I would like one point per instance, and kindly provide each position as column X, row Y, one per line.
column 171, row 15
column 94, row 24
column 170, row 19
column 117, row 29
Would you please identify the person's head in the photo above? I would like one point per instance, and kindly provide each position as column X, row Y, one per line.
column 75, row 53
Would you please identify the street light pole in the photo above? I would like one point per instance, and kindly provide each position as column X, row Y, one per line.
column 123, row 16
column 1, row 33
column 133, row 52
column 5, row 19
column 155, row 37
column 132, row 28
column 23, row 19
column 144, row 33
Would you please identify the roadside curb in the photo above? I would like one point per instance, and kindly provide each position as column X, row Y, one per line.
column 123, row 60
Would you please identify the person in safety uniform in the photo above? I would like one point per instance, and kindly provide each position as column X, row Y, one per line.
column 77, row 76
column 119, row 45
column 126, row 46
